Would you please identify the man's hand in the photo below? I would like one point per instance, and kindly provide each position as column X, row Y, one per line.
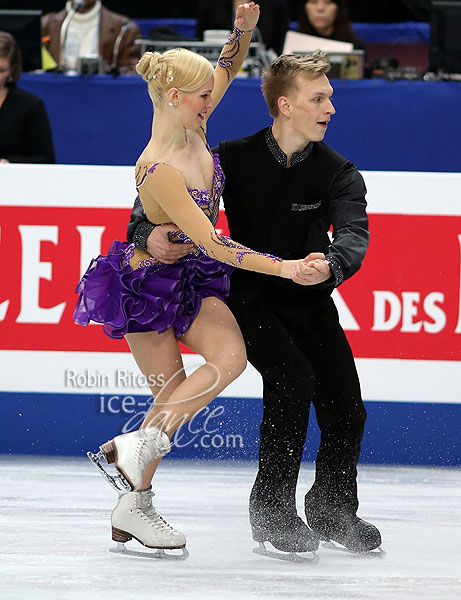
column 246, row 16
column 159, row 246
column 311, row 270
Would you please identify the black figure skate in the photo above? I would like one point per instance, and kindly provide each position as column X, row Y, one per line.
column 286, row 532
column 341, row 529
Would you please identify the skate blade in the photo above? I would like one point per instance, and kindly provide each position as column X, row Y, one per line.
column 159, row 554
column 119, row 482
column 293, row 557
column 375, row 553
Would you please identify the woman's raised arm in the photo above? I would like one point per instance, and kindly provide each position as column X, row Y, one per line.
column 234, row 51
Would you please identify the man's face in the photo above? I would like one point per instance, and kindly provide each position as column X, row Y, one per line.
column 311, row 107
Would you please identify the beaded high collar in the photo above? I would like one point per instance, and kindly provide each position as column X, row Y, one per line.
column 280, row 155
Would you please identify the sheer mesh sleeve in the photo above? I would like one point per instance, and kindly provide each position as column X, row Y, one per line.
column 164, row 186
column 229, row 63
column 234, row 52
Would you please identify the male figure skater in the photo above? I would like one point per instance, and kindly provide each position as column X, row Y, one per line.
column 284, row 189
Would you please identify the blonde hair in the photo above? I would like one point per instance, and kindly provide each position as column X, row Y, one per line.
column 280, row 78
column 179, row 68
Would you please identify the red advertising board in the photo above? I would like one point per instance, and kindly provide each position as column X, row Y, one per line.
column 403, row 303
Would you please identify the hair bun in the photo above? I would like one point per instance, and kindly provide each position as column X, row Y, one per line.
column 149, row 65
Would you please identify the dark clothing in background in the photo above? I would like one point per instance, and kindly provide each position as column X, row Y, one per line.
column 43, row 5
column 386, row 11
column 25, row 132
column 273, row 21
column 154, row 9
column 389, row 11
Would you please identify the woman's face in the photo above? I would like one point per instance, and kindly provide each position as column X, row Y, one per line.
column 4, row 71
column 321, row 15
column 195, row 105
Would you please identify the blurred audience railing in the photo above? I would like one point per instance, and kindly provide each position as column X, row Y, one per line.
column 412, row 32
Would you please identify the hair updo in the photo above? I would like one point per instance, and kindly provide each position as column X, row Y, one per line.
column 179, row 68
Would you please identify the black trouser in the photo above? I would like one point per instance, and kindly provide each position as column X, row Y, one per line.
column 303, row 356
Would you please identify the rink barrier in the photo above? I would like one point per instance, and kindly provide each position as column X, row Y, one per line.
column 65, row 389
column 408, row 433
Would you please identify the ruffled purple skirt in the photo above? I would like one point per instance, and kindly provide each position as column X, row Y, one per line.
column 155, row 297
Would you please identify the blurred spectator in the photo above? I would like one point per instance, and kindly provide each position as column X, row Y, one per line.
column 92, row 30
column 25, row 133
column 154, row 9
column 389, row 11
column 273, row 21
column 293, row 8
column 419, row 9
column 43, row 5
column 328, row 19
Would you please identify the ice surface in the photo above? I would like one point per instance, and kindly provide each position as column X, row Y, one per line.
column 55, row 537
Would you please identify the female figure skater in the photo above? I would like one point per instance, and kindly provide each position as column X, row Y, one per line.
column 151, row 303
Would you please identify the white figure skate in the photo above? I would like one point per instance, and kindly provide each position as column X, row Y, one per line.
column 135, row 517
column 131, row 453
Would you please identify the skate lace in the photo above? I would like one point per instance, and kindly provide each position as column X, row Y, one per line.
column 148, row 448
column 150, row 512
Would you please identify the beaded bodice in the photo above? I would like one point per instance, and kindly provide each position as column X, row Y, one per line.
column 209, row 202
column 206, row 200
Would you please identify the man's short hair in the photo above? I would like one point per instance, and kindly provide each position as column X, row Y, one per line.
column 280, row 78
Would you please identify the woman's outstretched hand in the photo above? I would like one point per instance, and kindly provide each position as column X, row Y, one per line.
column 311, row 270
column 246, row 16
column 308, row 271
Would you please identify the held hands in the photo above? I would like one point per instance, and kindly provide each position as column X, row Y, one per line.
column 160, row 247
column 246, row 16
column 309, row 271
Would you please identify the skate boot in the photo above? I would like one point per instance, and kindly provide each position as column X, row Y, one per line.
column 135, row 517
column 344, row 527
column 285, row 531
column 131, row 453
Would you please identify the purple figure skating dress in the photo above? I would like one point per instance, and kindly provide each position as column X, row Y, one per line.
column 153, row 296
